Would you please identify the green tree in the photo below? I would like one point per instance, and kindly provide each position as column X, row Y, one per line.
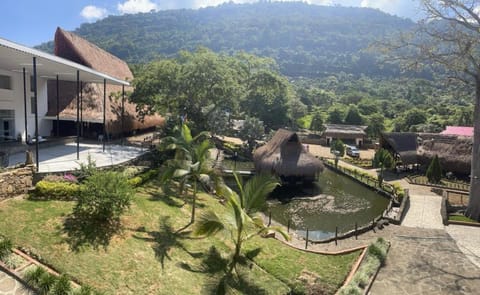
column 104, row 197
column 190, row 163
column 434, row 171
column 317, row 121
column 252, row 130
column 353, row 116
column 376, row 125
column 383, row 160
column 241, row 219
column 296, row 110
column 335, row 115
column 266, row 99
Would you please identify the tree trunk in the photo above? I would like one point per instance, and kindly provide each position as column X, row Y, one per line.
column 473, row 208
column 194, row 202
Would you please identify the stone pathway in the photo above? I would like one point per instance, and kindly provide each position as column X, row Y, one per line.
column 468, row 241
column 424, row 212
column 426, row 261
column 10, row 286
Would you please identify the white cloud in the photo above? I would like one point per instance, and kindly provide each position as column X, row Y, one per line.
column 136, row 6
column 91, row 12
column 396, row 7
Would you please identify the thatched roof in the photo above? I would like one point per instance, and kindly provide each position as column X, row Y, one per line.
column 402, row 143
column 454, row 152
column 284, row 155
column 75, row 48
column 344, row 131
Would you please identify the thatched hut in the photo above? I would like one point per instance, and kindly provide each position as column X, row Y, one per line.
column 286, row 157
column 79, row 50
column 349, row 134
column 454, row 152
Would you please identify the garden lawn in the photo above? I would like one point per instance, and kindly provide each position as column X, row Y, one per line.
column 461, row 218
column 150, row 257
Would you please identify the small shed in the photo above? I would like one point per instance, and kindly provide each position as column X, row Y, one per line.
column 349, row 134
column 286, row 157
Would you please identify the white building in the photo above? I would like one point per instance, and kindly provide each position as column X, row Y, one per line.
column 17, row 88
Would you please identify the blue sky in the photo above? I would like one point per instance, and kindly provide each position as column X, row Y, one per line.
column 31, row 22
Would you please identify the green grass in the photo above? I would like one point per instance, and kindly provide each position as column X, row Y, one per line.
column 149, row 257
column 461, row 218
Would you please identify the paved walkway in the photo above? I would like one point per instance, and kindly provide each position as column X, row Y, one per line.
column 62, row 158
column 10, row 286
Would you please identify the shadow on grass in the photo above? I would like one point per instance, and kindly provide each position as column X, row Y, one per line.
column 220, row 281
column 82, row 231
column 166, row 239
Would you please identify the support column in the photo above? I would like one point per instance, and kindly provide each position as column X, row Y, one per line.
column 35, row 96
column 58, row 108
column 78, row 115
column 25, row 103
column 104, row 112
column 123, row 113
column 81, row 108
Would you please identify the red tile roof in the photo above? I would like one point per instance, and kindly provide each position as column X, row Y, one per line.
column 458, row 130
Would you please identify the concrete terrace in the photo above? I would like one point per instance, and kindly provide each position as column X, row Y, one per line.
column 62, row 158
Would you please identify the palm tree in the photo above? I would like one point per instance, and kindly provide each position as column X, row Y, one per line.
column 382, row 159
column 241, row 220
column 191, row 162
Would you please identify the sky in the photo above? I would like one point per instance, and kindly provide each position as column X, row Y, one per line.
column 32, row 22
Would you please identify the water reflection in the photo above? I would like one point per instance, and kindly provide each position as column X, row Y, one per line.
column 333, row 201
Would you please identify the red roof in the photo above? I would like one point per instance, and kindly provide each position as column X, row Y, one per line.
column 458, row 130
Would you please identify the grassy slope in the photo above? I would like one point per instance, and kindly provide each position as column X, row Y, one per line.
column 132, row 262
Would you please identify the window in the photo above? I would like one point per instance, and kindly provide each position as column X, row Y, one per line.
column 7, row 123
column 31, row 84
column 5, row 82
column 32, row 104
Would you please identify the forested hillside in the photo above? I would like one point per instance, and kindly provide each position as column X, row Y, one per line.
column 305, row 40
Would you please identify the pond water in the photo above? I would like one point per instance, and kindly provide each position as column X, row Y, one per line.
column 333, row 201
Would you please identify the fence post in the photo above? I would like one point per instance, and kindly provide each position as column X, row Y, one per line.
column 373, row 225
column 269, row 218
column 306, row 240
column 356, row 233
column 336, row 235
column 288, row 226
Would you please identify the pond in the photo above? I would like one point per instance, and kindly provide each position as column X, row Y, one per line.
column 333, row 201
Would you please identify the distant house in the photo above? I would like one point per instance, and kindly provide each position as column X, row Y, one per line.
column 121, row 115
column 349, row 134
column 285, row 156
column 453, row 151
column 458, row 130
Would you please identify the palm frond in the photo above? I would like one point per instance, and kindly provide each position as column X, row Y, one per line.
column 186, row 133
column 256, row 191
column 208, row 224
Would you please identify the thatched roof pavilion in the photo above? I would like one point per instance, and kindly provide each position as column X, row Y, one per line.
column 454, row 152
column 285, row 156
column 352, row 134
column 77, row 49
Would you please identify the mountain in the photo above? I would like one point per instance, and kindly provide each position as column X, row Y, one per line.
column 305, row 40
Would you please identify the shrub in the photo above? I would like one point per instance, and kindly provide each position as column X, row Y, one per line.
column 105, row 197
column 338, row 145
column 62, row 286
column 434, row 171
column 46, row 283
column 6, row 246
column 33, row 276
column 56, row 190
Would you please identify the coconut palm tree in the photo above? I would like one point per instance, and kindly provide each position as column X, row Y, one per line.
column 191, row 162
column 241, row 219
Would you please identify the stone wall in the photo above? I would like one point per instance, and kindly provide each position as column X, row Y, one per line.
column 16, row 181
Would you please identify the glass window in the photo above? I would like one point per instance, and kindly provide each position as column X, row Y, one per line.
column 32, row 104
column 7, row 124
column 5, row 82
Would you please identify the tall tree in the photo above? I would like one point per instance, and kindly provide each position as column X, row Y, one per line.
column 449, row 37
column 353, row 116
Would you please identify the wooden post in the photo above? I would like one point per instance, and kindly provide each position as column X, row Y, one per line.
column 288, row 226
column 269, row 218
column 306, row 240
column 373, row 225
column 356, row 229
column 336, row 235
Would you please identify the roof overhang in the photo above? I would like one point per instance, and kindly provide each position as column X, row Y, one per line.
column 74, row 119
column 16, row 57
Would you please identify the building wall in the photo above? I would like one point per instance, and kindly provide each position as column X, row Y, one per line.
column 13, row 100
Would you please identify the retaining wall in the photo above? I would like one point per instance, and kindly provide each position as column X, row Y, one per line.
column 16, row 181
